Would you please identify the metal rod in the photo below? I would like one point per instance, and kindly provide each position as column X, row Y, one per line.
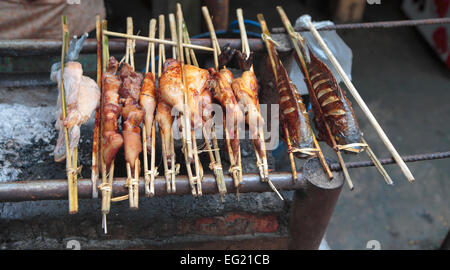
column 28, row 47
column 35, row 190
column 57, row 189
column 386, row 161
column 371, row 25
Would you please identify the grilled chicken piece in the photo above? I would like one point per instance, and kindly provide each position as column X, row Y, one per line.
column 246, row 90
column 171, row 88
column 112, row 140
column 223, row 93
column 132, row 114
column 147, row 101
column 82, row 98
column 198, row 95
column 165, row 119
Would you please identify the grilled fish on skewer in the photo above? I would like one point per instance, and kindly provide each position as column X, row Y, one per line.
column 147, row 100
column 335, row 105
column 293, row 114
column 112, row 139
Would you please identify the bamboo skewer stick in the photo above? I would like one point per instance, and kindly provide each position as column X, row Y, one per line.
column 233, row 163
column 362, row 104
column 190, row 152
column 214, row 155
column 302, row 64
column 71, row 171
column 149, row 176
column 96, row 135
column 133, row 188
column 173, row 32
column 167, row 173
column 160, row 41
column 107, row 177
column 291, row 155
column 262, row 161
column 377, row 163
column 273, row 59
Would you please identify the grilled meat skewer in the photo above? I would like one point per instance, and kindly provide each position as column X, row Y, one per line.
column 112, row 139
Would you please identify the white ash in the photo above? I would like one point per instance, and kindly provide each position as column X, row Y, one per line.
column 21, row 126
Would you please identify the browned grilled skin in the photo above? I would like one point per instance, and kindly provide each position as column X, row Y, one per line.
column 246, row 90
column 132, row 114
column 112, row 140
column 147, row 101
column 334, row 104
column 233, row 116
column 293, row 114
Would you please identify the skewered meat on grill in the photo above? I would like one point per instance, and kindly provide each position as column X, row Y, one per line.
column 198, row 94
column 334, row 104
column 132, row 114
column 246, row 90
column 293, row 114
column 172, row 90
column 223, row 93
column 165, row 119
column 112, row 140
column 147, row 101
column 82, row 98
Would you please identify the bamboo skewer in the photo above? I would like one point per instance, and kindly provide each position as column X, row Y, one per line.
column 189, row 143
column 107, row 177
column 96, row 135
column 235, row 167
column 171, row 184
column 133, row 188
column 173, row 34
column 169, row 174
column 362, row 104
column 71, row 170
column 262, row 161
column 149, row 176
column 377, row 163
column 214, row 155
column 317, row 150
column 160, row 41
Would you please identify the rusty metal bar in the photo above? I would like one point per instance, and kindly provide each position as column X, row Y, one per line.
column 57, row 189
column 371, row 25
column 34, row 47
column 35, row 190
